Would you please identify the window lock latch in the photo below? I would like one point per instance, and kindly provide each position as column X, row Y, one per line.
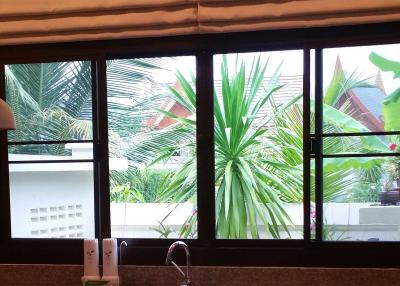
column 312, row 146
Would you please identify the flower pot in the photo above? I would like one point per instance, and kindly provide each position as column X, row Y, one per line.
column 390, row 197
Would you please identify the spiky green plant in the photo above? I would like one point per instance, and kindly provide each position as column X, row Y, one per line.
column 248, row 186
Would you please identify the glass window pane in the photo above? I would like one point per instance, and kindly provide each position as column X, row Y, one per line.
column 51, row 101
column 52, row 200
column 361, row 88
column 361, row 199
column 152, row 130
column 259, row 145
column 41, row 152
column 361, row 144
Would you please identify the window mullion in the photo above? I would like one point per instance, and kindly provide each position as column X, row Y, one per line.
column 102, row 192
column 95, row 133
column 205, row 148
column 318, row 144
column 306, row 144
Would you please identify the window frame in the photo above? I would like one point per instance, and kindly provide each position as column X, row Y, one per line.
column 10, row 245
column 206, row 250
column 317, row 143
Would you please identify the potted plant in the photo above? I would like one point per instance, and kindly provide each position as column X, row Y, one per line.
column 391, row 193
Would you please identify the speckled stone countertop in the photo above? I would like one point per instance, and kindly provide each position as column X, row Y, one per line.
column 69, row 275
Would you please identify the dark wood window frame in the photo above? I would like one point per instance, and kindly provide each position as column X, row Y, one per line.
column 206, row 250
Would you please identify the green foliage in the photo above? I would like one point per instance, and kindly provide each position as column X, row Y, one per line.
column 385, row 64
column 163, row 230
column 146, row 182
column 366, row 192
column 351, row 163
column 127, row 100
column 51, row 101
column 250, row 181
column 346, row 123
column 126, row 194
column 257, row 169
column 285, row 147
column 249, row 186
column 390, row 109
column 340, row 84
column 331, row 233
column 353, row 179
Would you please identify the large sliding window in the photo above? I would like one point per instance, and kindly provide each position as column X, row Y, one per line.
column 256, row 149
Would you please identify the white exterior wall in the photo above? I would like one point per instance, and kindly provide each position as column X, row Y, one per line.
column 54, row 200
column 343, row 221
column 56, row 204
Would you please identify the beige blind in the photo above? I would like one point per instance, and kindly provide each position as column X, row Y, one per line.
column 238, row 15
column 33, row 21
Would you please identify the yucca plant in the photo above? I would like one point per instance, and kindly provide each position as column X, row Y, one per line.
column 249, row 189
column 249, row 169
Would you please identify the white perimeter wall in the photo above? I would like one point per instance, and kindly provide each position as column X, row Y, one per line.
column 57, row 204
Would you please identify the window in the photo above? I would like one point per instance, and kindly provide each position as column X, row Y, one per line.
column 258, row 130
column 152, row 143
column 360, row 134
column 264, row 148
column 51, row 152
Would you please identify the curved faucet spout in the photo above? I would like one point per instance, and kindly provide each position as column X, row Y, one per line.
column 168, row 260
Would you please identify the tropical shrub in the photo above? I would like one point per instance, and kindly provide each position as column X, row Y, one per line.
column 126, row 194
column 144, row 182
column 349, row 179
column 391, row 103
column 390, row 109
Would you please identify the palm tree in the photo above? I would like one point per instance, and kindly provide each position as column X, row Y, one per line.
column 53, row 101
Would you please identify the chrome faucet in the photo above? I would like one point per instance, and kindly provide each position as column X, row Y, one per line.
column 168, row 261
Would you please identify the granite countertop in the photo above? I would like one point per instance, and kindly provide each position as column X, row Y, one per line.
column 69, row 275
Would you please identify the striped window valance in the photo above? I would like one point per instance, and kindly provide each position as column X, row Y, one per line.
column 43, row 21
